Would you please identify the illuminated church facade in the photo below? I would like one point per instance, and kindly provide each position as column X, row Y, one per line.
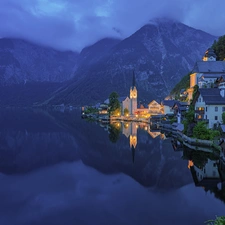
column 130, row 103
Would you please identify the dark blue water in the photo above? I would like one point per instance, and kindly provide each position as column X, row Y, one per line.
column 57, row 169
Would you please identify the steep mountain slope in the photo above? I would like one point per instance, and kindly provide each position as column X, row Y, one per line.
column 22, row 62
column 161, row 53
column 92, row 54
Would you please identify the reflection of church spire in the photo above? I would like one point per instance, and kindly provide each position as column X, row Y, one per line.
column 133, row 153
column 133, row 141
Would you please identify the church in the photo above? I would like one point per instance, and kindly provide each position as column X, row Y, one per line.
column 130, row 103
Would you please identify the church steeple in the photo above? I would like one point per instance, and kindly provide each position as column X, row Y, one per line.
column 134, row 81
column 133, row 96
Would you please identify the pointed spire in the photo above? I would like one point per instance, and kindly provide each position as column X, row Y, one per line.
column 133, row 153
column 134, row 82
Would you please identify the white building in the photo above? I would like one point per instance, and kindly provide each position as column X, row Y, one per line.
column 210, row 104
column 205, row 72
column 168, row 106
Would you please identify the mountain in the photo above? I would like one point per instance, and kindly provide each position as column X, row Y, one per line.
column 23, row 62
column 160, row 53
column 31, row 73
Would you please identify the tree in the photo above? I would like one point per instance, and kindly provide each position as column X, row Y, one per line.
column 184, row 83
column 200, row 131
column 126, row 112
column 219, row 48
column 114, row 132
column 114, row 104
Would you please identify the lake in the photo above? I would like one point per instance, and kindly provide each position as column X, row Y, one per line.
column 57, row 169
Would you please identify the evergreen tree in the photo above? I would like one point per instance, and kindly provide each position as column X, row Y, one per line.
column 219, row 48
column 114, row 104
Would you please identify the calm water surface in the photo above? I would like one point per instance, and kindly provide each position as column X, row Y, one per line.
column 57, row 169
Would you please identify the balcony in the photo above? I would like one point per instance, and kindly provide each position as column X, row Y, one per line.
column 200, row 112
column 199, row 119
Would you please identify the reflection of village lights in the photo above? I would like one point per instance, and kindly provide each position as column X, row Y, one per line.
column 126, row 115
column 118, row 114
column 190, row 164
column 146, row 128
column 136, row 126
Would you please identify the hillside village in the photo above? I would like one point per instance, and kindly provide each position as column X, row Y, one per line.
column 205, row 98
column 208, row 101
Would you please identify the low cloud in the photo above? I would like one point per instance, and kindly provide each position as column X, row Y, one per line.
column 72, row 25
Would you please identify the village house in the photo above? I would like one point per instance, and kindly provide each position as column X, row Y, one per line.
column 209, row 105
column 168, row 106
column 155, row 108
column 206, row 72
column 180, row 108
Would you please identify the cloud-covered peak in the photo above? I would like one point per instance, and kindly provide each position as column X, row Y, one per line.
column 72, row 25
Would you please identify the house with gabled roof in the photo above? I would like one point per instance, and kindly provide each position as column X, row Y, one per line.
column 180, row 108
column 155, row 108
column 168, row 106
column 209, row 105
column 208, row 80
column 206, row 72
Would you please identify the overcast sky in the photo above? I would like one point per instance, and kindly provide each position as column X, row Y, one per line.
column 74, row 24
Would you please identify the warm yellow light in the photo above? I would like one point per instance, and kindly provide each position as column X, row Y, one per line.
column 136, row 115
column 190, row 164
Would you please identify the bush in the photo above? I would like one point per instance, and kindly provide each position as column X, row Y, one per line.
column 200, row 131
column 218, row 221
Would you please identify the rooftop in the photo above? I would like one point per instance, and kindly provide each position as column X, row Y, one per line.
column 211, row 96
column 209, row 67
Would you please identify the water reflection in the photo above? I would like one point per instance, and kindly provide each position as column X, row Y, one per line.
column 208, row 172
column 207, row 169
column 58, row 169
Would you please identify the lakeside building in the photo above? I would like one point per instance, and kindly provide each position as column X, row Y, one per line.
column 206, row 72
column 209, row 105
column 130, row 103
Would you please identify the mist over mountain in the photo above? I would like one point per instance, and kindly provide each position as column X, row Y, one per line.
column 160, row 53
column 23, row 62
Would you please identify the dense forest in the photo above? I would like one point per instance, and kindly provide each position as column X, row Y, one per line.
column 219, row 48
